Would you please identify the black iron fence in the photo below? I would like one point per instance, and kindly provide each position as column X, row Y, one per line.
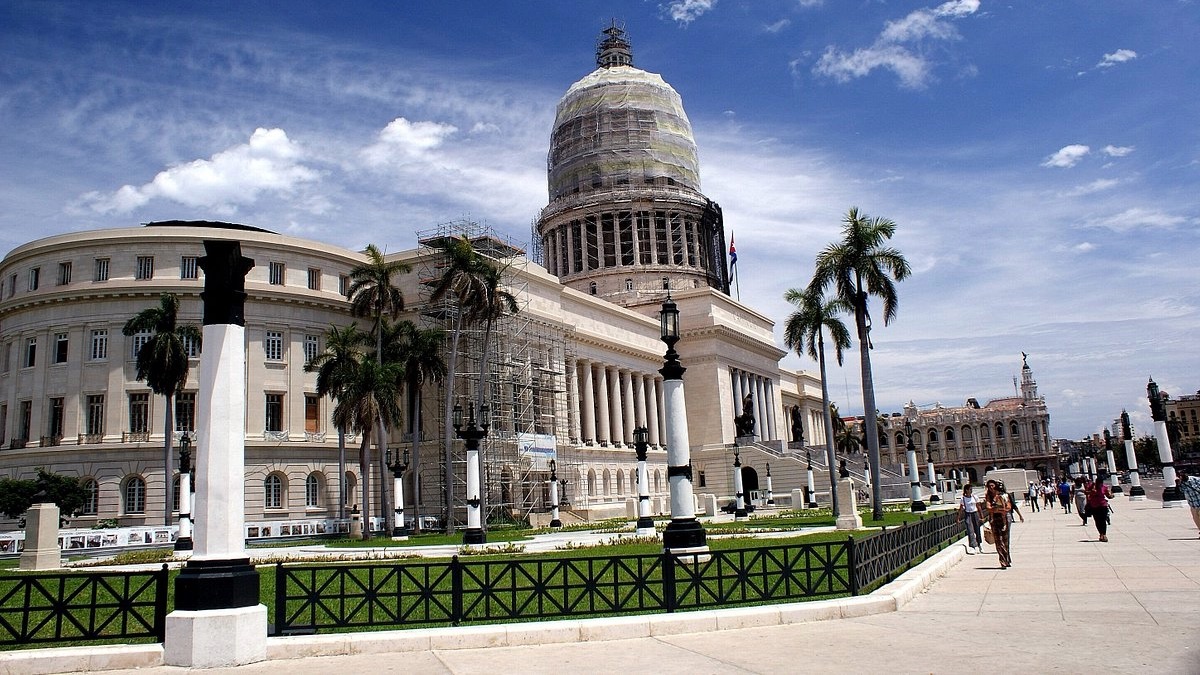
column 81, row 606
column 409, row 594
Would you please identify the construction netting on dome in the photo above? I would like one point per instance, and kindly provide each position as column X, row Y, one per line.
column 618, row 127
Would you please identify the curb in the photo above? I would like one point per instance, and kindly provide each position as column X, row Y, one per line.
column 888, row 598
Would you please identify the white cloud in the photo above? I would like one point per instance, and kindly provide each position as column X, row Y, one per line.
column 1067, row 157
column 269, row 162
column 485, row 128
column 1119, row 56
column 1137, row 219
column 687, row 11
column 1098, row 185
column 889, row 51
column 1084, row 247
column 777, row 26
column 402, row 139
column 1117, row 151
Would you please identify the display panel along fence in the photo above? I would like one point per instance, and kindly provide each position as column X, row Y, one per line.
column 58, row 608
column 312, row 598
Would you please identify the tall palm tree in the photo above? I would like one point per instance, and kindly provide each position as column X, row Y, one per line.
column 336, row 367
column 373, row 294
column 461, row 283
column 857, row 267
column 848, row 441
column 419, row 350
column 804, row 331
column 371, row 396
column 162, row 363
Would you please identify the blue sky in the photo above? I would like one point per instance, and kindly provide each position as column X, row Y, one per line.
column 1040, row 158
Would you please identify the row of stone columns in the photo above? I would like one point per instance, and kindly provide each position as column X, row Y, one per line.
column 762, row 394
column 606, row 403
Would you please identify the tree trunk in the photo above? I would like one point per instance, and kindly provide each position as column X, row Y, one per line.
column 168, row 467
column 415, row 468
column 385, row 494
column 448, row 433
column 341, row 473
column 870, row 431
column 829, row 452
column 364, row 467
column 480, row 397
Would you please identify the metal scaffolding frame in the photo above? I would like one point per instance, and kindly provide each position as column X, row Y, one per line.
column 526, row 384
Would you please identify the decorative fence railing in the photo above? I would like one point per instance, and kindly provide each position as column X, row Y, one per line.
column 311, row 598
column 57, row 608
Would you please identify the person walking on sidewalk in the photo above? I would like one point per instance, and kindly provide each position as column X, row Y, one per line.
column 1048, row 490
column 1080, row 494
column 1097, row 495
column 1064, row 494
column 1032, row 497
column 1189, row 484
column 968, row 508
column 996, row 504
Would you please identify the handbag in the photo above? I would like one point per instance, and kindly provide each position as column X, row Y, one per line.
column 988, row 536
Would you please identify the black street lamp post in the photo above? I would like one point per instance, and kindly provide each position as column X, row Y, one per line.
column 183, row 542
column 641, row 445
column 554, row 519
column 914, row 475
column 471, row 433
column 398, row 463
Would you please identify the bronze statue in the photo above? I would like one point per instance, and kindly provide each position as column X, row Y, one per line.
column 744, row 423
column 797, row 425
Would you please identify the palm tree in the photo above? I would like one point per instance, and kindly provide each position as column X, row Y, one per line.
column 367, row 399
column 848, row 441
column 162, row 363
column 420, row 352
column 804, row 331
column 857, row 267
column 336, row 367
column 372, row 294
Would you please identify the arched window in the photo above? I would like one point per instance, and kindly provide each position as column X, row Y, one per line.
column 175, row 493
column 933, row 436
column 666, row 284
column 657, row 477
column 629, row 284
column 312, row 491
column 633, row 488
column 620, row 482
column 883, row 440
column 999, row 430
column 91, row 500
column 134, row 493
column 967, row 435
column 273, row 492
column 899, row 440
column 984, row 433
column 351, row 484
column 607, row 480
column 591, row 482
column 1033, row 428
column 949, row 434
column 1014, row 430
column 917, row 438
column 592, row 288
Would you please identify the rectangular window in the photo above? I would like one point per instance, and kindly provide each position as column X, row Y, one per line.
column 343, row 285
column 314, row 279
column 101, row 270
column 191, row 346
column 60, row 347
column 273, row 345
column 35, row 275
column 99, row 344
column 24, row 421
column 274, row 412
column 139, row 413
column 64, row 273
column 139, row 341
column 188, row 267
column 312, row 347
column 3, row 422
column 94, row 420
column 275, row 274
column 30, row 353
column 12, row 285
column 145, row 267
column 55, row 428
column 312, row 409
column 185, row 411
column 7, row 356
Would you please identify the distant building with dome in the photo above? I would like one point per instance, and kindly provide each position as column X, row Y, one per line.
column 570, row 375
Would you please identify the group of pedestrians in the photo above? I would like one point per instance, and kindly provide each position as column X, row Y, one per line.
column 997, row 509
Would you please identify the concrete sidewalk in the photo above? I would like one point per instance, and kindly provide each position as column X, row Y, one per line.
column 1069, row 604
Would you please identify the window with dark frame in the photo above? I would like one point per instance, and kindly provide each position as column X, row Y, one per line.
column 145, row 267
column 60, row 347
column 64, row 273
column 274, row 412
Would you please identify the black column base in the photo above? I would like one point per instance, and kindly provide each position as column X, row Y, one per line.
column 740, row 513
column 556, row 523
column 474, row 535
column 1172, row 494
column 770, row 502
column 1118, row 490
column 918, row 506
column 644, row 522
column 683, row 533
column 813, row 505
column 1137, row 491
column 183, row 544
column 934, row 499
column 400, row 531
column 216, row 584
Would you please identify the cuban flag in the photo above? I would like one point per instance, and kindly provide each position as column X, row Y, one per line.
column 732, row 252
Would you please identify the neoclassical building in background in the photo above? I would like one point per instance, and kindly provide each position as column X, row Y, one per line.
column 569, row 377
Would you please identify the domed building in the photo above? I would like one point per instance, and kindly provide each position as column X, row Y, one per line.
column 569, row 376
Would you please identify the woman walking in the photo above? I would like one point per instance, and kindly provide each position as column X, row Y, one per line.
column 968, row 508
column 1080, row 492
column 1097, row 506
column 996, row 504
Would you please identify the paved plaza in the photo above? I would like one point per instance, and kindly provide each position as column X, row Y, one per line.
column 1069, row 604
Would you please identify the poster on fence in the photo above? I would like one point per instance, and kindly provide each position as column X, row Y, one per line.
column 536, row 451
